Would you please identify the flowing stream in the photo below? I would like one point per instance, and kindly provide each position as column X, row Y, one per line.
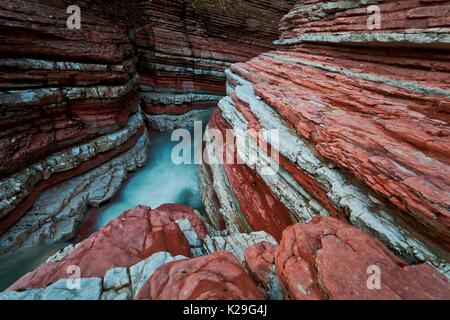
column 158, row 182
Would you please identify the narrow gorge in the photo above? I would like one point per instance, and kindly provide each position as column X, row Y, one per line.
column 322, row 128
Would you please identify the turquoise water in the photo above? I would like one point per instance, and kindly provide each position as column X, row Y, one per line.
column 158, row 182
column 14, row 265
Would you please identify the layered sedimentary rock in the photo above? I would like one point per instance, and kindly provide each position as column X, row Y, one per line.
column 68, row 104
column 132, row 237
column 144, row 255
column 54, row 219
column 344, row 128
column 331, row 259
column 70, row 99
column 185, row 47
column 61, row 86
column 362, row 122
column 118, row 262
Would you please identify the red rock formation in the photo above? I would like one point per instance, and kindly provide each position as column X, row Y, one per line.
column 365, row 120
column 374, row 147
column 305, row 179
column 362, row 113
column 8, row 220
column 259, row 260
column 329, row 259
column 320, row 17
column 218, row 276
column 261, row 208
column 123, row 242
column 185, row 48
column 61, row 87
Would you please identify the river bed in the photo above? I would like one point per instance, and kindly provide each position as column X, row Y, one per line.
column 158, row 182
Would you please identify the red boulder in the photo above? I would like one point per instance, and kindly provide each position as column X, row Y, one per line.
column 218, row 276
column 329, row 259
column 123, row 242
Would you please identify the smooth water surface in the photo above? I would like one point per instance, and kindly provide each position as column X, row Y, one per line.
column 160, row 181
column 14, row 265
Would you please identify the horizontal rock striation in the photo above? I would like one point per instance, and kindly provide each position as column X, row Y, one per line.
column 69, row 112
column 409, row 22
column 184, row 49
column 363, row 125
column 354, row 186
column 20, row 190
column 54, row 219
column 71, row 100
column 60, row 87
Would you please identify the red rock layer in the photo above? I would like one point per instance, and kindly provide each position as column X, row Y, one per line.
column 123, row 242
column 48, row 101
column 377, row 111
column 218, row 276
column 21, row 209
column 262, row 209
column 371, row 124
column 185, row 48
column 259, row 260
column 303, row 178
column 314, row 17
column 329, row 259
column 60, row 88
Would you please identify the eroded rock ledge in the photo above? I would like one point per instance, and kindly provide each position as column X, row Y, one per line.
column 363, row 126
column 184, row 50
column 144, row 254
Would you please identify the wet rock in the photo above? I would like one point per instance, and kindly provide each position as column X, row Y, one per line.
column 260, row 261
column 123, row 242
column 329, row 259
column 216, row 276
column 118, row 283
column 56, row 219
column 143, row 270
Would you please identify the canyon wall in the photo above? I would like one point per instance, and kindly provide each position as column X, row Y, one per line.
column 355, row 179
column 184, row 49
column 73, row 103
column 363, row 123
column 70, row 118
